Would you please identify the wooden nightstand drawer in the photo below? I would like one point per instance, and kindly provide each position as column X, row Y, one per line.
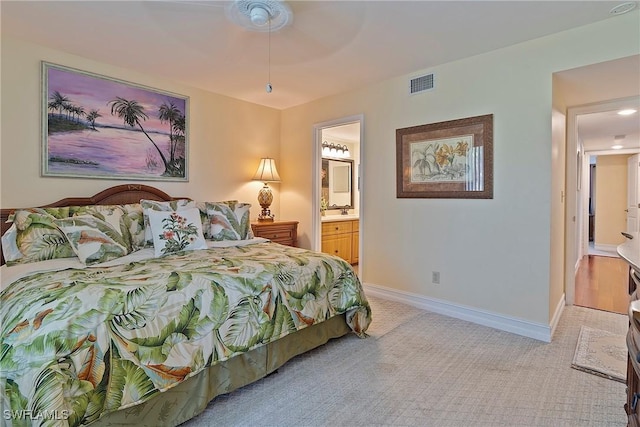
column 283, row 232
column 279, row 234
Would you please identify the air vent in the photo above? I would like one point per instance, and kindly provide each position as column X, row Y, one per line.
column 421, row 84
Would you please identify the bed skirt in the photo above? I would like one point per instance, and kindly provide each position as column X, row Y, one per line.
column 190, row 398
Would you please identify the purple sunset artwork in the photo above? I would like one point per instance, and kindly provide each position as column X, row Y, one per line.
column 98, row 127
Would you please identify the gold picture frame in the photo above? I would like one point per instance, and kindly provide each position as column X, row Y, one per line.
column 452, row 159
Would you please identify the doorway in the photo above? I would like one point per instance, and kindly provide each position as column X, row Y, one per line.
column 601, row 279
column 577, row 189
column 337, row 187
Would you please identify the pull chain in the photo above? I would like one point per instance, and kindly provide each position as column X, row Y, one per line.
column 269, row 87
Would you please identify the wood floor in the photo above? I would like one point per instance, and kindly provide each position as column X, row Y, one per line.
column 601, row 283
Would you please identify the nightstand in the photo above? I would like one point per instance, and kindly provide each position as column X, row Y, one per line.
column 283, row 232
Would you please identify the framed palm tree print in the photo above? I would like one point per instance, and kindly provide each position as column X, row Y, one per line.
column 99, row 127
column 452, row 159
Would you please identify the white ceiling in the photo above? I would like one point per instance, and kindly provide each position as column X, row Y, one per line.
column 330, row 46
column 596, row 86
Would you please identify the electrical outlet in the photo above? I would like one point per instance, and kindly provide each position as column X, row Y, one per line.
column 435, row 277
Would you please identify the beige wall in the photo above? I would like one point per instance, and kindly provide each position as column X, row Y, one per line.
column 493, row 255
column 227, row 137
column 611, row 199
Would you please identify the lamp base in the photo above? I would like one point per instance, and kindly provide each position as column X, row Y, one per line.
column 265, row 215
column 265, row 197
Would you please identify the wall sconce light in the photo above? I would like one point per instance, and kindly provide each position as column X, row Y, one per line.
column 335, row 150
column 266, row 172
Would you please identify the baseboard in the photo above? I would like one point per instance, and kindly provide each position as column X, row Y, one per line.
column 537, row 331
column 605, row 247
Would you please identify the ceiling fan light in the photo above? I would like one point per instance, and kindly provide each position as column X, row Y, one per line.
column 253, row 15
column 623, row 8
column 259, row 16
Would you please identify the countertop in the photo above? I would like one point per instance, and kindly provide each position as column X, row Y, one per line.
column 331, row 218
column 630, row 251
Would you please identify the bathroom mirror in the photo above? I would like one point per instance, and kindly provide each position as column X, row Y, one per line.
column 337, row 180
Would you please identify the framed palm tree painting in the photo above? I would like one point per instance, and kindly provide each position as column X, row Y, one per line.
column 99, row 127
column 452, row 159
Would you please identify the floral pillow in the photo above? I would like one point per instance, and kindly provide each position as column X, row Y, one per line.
column 93, row 240
column 154, row 205
column 175, row 231
column 229, row 221
column 33, row 237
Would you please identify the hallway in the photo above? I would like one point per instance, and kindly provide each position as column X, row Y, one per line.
column 602, row 284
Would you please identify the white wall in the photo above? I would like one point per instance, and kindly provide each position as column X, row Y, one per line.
column 494, row 256
column 227, row 136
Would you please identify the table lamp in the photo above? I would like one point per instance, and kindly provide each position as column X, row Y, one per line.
column 266, row 172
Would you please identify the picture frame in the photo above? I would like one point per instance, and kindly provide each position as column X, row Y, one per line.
column 451, row 159
column 95, row 126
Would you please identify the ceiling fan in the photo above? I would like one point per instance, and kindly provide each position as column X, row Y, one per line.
column 219, row 30
column 259, row 15
column 253, row 15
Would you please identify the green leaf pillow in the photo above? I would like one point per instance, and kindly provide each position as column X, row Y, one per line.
column 229, row 221
column 92, row 239
column 127, row 219
column 35, row 238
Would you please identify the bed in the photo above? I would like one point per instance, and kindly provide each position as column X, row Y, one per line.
column 149, row 340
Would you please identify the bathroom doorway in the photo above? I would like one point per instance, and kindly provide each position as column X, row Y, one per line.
column 337, row 200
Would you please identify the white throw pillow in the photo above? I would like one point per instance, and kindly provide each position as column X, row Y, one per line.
column 173, row 205
column 176, row 231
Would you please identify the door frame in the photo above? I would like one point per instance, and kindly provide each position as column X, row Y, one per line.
column 316, row 218
column 576, row 226
column 633, row 163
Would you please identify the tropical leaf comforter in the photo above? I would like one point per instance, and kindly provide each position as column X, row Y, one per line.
column 80, row 343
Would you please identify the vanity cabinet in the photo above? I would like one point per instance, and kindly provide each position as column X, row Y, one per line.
column 355, row 242
column 341, row 238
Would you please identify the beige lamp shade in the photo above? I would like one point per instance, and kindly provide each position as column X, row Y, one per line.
column 266, row 172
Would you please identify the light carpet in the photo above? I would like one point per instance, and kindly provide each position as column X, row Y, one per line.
column 419, row 368
column 601, row 353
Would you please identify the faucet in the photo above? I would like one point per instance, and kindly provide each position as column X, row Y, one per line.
column 344, row 210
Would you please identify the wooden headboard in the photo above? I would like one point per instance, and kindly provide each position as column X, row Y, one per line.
column 118, row 195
